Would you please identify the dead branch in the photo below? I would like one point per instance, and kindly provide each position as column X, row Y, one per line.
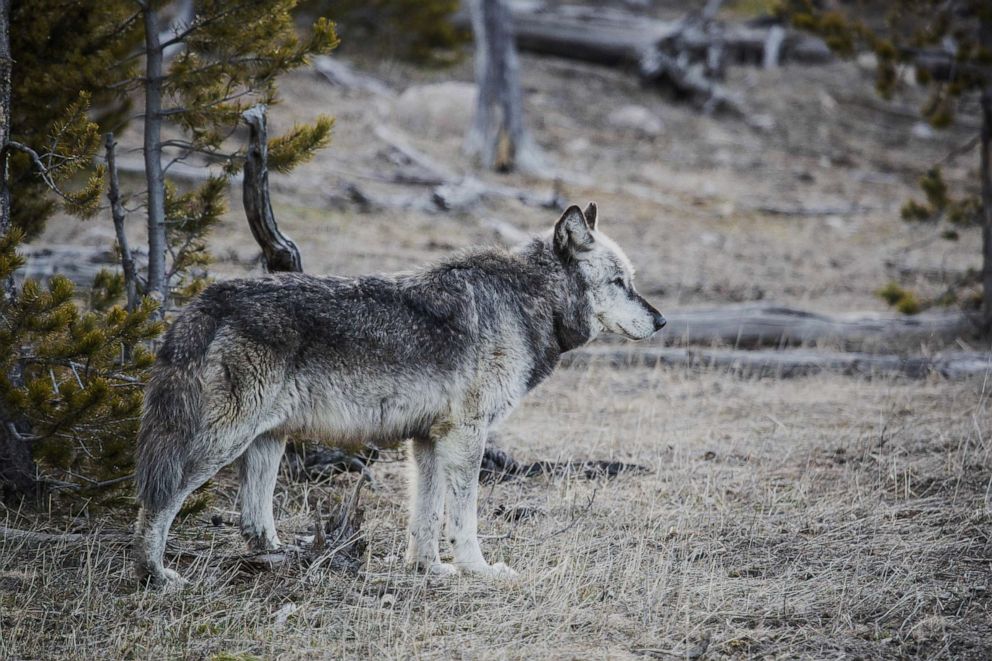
column 117, row 212
column 35, row 537
column 281, row 254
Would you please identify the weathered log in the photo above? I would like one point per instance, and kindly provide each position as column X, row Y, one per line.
column 761, row 325
column 618, row 38
column 788, row 363
column 451, row 191
column 37, row 537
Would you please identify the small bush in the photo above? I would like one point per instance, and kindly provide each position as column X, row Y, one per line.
column 901, row 299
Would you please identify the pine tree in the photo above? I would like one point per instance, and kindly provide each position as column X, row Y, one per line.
column 948, row 45
column 72, row 369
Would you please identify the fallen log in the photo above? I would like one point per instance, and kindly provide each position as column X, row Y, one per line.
column 761, row 325
column 789, row 363
column 618, row 38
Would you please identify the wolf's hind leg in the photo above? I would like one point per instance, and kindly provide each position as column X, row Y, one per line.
column 426, row 509
column 259, row 468
column 212, row 452
column 460, row 454
column 154, row 522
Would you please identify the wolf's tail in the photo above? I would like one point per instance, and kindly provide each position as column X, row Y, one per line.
column 172, row 418
column 169, row 426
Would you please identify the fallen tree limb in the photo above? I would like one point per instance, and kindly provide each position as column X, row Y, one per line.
column 787, row 363
column 35, row 537
column 761, row 325
column 498, row 466
column 449, row 191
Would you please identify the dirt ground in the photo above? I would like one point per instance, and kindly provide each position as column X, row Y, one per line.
column 822, row 517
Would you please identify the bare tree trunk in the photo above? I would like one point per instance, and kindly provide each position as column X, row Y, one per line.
column 117, row 213
column 154, row 176
column 985, row 38
column 497, row 137
column 6, row 64
column 17, row 470
column 280, row 253
column 986, row 174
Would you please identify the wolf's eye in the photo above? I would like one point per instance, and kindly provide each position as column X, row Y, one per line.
column 618, row 282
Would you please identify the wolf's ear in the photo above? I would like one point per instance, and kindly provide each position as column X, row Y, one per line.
column 572, row 232
column 590, row 214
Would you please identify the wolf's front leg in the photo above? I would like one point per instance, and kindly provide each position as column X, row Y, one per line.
column 460, row 453
column 259, row 468
column 426, row 509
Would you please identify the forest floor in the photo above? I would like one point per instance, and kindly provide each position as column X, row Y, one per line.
column 817, row 517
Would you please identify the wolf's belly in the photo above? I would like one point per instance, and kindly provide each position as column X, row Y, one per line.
column 352, row 411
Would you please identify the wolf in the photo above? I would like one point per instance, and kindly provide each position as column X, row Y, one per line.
column 438, row 356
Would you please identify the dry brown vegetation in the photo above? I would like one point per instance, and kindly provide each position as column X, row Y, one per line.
column 817, row 518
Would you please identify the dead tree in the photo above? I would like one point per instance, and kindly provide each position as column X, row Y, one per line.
column 497, row 137
column 280, row 253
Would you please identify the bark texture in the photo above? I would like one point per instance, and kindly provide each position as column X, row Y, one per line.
column 497, row 137
column 281, row 254
column 17, row 469
column 154, row 175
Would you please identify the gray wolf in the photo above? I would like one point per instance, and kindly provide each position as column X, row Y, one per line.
column 438, row 356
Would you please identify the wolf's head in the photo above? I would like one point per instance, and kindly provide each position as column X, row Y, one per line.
column 613, row 303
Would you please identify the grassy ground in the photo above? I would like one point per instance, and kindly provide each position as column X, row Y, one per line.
column 821, row 517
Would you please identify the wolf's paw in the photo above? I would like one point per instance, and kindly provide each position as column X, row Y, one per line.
column 441, row 569
column 166, row 580
column 263, row 542
column 432, row 568
column 497, row 570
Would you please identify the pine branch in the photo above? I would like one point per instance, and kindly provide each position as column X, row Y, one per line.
column 39, row 165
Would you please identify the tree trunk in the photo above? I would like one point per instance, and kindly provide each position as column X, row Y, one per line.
column 986, row 174
column 5, row 67
column 17, row 470
column 157, row 285
column 497, row 137
column 985, row 38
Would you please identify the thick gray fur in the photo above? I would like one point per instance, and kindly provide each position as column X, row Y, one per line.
column 438, row 356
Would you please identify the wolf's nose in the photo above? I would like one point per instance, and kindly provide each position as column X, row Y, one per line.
column 659, row 321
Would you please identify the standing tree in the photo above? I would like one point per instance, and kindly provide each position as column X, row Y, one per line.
column 497, row 137
column 71, row 373
column 949, row 47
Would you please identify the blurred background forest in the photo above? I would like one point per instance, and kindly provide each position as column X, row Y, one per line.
column 804, row 187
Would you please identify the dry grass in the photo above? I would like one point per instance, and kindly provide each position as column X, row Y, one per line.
column 821, row 517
